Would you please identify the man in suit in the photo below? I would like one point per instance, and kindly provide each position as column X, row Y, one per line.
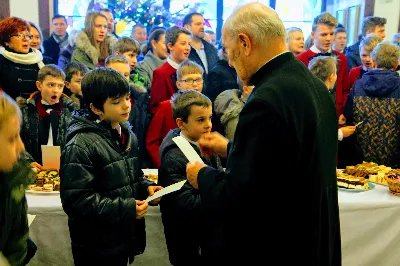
column 278, row 198
column 323, row 31
column 201, row 52
column 58, row 39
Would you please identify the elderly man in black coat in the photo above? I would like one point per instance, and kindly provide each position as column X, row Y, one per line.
column 278, row 199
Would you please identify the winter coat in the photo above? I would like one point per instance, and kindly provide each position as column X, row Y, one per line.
column 375, row 100
column 51, row 48
column 86, row 53
column 353, row 55
column 139, row 120
column 228, row 106
column 65, row 56
column 100, row 183
column 147, row 66
column 181, row 210
column 14, row 228
column 19, row 79
column 212, row 58
column 221, row 77
column 30, row 125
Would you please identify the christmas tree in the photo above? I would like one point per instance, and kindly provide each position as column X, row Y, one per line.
column 149, row 12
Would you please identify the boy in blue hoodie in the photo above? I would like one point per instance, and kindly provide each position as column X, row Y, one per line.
column 103, row 191
column 375, row 101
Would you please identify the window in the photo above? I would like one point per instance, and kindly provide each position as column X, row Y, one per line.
column 298, row 13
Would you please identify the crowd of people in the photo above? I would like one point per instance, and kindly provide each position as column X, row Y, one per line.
column 261, row 102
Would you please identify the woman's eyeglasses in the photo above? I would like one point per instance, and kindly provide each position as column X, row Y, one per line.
column 192, row 81
column 22, row 36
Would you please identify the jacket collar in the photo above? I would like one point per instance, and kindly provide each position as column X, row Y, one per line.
column 270, row 67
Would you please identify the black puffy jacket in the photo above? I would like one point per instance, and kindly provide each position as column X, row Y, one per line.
column 99, row 185
column 181, row 210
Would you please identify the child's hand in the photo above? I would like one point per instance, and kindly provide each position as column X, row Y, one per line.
column 36, row 166
column 152, row 190
column 348, row 131
column 141, row 208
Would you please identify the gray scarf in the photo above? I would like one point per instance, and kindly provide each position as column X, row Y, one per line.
column 61, row 42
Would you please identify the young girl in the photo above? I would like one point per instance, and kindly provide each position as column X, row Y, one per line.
column 14, row 177
column 93, row 45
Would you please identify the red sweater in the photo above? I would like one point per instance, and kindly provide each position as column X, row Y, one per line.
column 354, row 74
column 162, row 86
column 342, row 77
column 162, row 122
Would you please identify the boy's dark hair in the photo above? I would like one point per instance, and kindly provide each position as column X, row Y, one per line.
column 116, row 59
column 74, row 68
column 50, row 70
column 155, row 36
column 172, row 35
column 370, row 23
column 340, row 29
column 59, row 16
column 101, row 84
column 126, row 44
column 187, row 20
column 183, row 100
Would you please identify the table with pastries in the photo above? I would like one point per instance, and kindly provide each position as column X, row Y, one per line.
column 370, row 230
column 49, row 230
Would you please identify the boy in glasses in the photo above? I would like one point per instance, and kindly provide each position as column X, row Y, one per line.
column 189, row 76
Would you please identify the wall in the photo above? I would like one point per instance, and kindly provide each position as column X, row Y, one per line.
column 26, row 9
column 333, row 5
column 389, row 9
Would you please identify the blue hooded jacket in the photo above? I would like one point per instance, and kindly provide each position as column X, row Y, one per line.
column 375, row 101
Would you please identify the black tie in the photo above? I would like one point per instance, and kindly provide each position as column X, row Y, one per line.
column 55, row 106
column 324, row 54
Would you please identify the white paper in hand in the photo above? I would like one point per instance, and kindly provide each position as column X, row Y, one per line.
column 187, row 149
column 172, row 188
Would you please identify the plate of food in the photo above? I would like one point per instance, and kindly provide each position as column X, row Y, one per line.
column 350, row 183
column 151, row 174
column 46, row 182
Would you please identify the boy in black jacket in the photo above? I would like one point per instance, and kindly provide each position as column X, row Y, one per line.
column 138, row 118
column 46, row 114
column 181, row 210
column 102, row 186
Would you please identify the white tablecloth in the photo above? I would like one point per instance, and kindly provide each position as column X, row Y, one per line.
column 370, row 230
column 50, row 232
column 370, row 227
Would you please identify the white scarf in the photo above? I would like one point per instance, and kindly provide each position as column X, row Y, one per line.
column 34, row 57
